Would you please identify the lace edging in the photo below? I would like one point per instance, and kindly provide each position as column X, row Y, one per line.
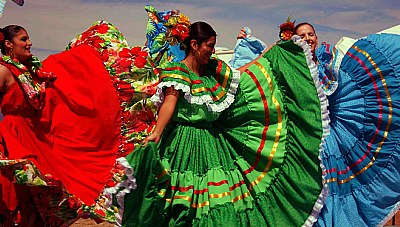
column 158, row 97
column 391, row 214
column 121, row 189
column 325, row 125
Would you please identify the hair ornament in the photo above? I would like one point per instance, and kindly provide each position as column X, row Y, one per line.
column 178, row 28
column 286, row 30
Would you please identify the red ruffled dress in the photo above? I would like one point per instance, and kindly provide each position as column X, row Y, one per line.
column 74, row 139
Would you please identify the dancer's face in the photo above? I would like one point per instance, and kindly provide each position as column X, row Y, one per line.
column 20, row 46
column 307, row 33
column 205, row 50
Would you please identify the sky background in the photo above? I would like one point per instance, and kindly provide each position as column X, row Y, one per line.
column 51, row 24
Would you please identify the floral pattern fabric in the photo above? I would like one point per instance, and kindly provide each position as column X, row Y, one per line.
column 165, row 33
column 135, row 77
column 34, row 90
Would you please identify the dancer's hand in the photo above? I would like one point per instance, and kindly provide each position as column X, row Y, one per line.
column 242, row 34
column 155, row 137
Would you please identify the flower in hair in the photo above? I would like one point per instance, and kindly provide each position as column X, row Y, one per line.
column 183, row 19
column 180, row 31
column 1, row 37
column 286, row 30
column 178, row 28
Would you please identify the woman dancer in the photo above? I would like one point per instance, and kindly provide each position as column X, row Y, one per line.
column 63, row 135
column 231, row 150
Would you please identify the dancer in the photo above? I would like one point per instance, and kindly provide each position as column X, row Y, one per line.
column 22, row 89
column 231, row 150
column 66, row 130
column 360, row 153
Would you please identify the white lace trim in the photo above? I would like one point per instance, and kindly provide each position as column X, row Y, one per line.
column 158, row 97
column 391, row 214
column 325, row 125
column 121, row 189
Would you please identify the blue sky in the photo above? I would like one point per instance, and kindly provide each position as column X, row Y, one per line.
column 51, row 24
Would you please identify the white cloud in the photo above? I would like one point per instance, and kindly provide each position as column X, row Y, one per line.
column 51, row 24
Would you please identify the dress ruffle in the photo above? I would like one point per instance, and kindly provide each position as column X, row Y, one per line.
column 217, row 95
column 328, row 59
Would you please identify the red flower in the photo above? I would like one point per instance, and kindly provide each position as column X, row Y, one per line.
column 110, row 183
column 1, row 37
column 74, row 203
column 102, row 28
column 135, row 51
column 86, row 34
column 135, row 55
column 99, row 212
column 137, row 125
column 146, row 116
column 125, row 62
column 286, row 30
column 150, row 89
column 287, row 25
column 125, row 53
column 94, row 41
column 140, row 62
column 181, row 32
column 105, row 55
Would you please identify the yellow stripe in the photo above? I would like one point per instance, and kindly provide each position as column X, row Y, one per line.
column 198, row 90
column 240, row 197
column 176, row 76
column 200, row 205
column 218, row 196
column 226, row 77
column 387, row 127
column 278, row 130
column 162, row 173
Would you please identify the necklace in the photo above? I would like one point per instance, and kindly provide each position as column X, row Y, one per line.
column 192, row 68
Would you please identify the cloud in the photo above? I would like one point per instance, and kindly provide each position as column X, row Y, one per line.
column 51, row 24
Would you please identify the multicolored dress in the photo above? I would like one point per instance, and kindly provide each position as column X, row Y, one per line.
column 361, row 81
column 60, row 145
column 241, row 150
column 73, row 147
column 361, row 154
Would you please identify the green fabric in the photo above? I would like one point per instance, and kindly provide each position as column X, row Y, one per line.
column 256, row 165
column 192, row 112
column 202, row 97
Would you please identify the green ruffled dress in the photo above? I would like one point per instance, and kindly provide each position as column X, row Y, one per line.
column 241, row 150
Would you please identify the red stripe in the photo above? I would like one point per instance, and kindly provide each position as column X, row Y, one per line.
column 219, row 69
column 236, row 185
column 177, row 68
column 185, row 189
column 379, row 119
column 266, row 124
column 182, row 189
column 213, row 89
column 218, row 183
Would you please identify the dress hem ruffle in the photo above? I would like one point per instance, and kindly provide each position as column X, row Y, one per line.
column 325, row 125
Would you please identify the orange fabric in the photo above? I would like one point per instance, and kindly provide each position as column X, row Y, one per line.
column 76, row 135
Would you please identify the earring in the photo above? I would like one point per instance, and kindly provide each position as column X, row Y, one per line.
column 11, row 54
